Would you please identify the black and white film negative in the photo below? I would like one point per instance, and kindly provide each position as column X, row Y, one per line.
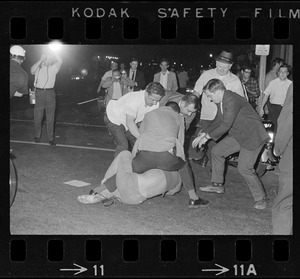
column 105, row 180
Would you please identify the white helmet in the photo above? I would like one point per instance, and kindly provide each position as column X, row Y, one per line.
column 17, row 50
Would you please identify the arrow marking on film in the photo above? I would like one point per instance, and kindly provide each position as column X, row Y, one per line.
column 222, row 270
column 81, row 269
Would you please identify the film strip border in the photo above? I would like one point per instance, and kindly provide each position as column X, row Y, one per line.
column 168, row 28
column 149, row 256
column 151, row 23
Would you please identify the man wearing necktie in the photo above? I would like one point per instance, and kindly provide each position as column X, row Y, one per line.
column 136, row 76
column 166, row 78
column 246, row 135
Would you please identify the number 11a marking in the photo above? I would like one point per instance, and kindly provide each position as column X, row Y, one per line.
column 101, row 270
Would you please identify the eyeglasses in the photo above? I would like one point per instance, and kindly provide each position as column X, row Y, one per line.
column 247, row 72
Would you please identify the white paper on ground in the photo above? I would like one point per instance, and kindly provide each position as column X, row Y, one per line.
column 77, row 183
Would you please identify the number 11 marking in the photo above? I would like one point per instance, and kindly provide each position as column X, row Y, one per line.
column 101, row 270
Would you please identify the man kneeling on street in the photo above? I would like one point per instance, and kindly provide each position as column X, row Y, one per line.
column 160, row 147
column 246, row 134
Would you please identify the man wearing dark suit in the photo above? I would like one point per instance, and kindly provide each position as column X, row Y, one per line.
column 136, row 76
column 282, row 211
column 187, row 109
column 166, row 78
column 246, row 134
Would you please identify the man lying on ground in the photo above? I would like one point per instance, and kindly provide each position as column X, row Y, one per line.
column 160, row 146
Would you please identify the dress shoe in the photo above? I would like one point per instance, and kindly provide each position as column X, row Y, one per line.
column 52, row 142
column 109, row 201
column 196, row 203
column 36, row 140
column 213, row 188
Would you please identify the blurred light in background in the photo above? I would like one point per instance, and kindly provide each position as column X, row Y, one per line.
column 84, row 72
column 55, row 45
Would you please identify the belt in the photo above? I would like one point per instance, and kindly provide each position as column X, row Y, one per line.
column 44, row 88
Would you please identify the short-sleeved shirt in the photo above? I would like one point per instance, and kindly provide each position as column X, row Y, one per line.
column 277, row 90
column 117, row 91
column 133, row 104
column 45, row 76
column 269, row 77
column 18, row 79
column 106, row 75
column 231, row 82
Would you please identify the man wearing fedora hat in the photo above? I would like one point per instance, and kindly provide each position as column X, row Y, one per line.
column 224, row 61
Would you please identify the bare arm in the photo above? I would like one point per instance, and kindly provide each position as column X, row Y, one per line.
column 100, row 85
column 132, row 127
column 34, row 67
column 264, row 100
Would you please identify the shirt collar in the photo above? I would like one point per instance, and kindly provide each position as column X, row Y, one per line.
column 167, row 72
column 227, row 75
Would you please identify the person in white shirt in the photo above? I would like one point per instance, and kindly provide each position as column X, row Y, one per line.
column 113, row 66
column 123, row 115
column 166, row 78
column 272, row 74
column 276, row 90
column 45, row 71
column 224, row 62
column 117, row 86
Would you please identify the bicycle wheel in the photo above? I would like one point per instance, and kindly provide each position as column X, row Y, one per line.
column 12, row 182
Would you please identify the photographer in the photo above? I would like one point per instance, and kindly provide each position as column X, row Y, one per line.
column 45, row 70
column 117, row 86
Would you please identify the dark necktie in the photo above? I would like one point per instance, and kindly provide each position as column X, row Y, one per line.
column 133, row 75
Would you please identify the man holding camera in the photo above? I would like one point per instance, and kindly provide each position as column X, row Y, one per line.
column 117, row 86
column 45, row 71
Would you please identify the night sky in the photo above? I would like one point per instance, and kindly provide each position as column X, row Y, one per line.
column 82, row 55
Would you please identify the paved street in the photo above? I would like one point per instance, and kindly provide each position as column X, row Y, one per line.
column 46, row 205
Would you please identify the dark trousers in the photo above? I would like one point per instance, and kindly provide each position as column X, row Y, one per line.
column 182, row 90
column 282, row 211
column 253, row 104
column 247, row 159
column 211, row 143
column 274, row 111
column 121, row 137
column 147, row 160
column 44, row 100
